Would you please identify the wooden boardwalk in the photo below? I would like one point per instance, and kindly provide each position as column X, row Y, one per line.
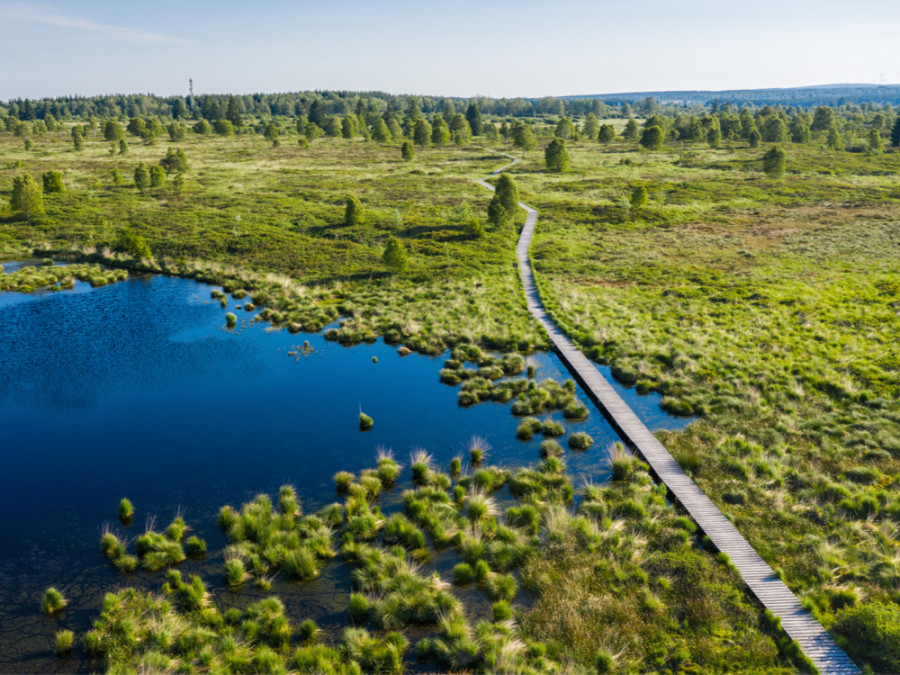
column 797, row 622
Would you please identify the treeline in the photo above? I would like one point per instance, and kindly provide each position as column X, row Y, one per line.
column 833, row 96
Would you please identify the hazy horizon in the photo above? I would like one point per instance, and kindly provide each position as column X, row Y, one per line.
column 504, row 49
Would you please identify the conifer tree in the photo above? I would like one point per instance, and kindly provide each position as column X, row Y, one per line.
column 440, row 132
column 631, row 131
column 556, row 156
column 774, row 162
column 473, row 117
column 394, row 256
column 607, row 133
column 353, row 211
column 27, row 198
column 422, row 133
column 407, row 151
column 380, row 131
column 638, row 198
column 141, row 177
column 895, row 133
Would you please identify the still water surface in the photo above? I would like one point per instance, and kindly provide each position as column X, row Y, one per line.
column 137, row 390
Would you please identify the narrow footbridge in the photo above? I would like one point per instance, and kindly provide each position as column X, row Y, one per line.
column 797, row 622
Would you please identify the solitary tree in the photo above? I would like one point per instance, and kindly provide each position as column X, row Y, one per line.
column 52, row 181
column 507, row 193
column 141, row 177
column 176, row 132
column 131, row 243
column 523, row 137
column 473, row 117
column 607, row 133
column 333, row 127
column 202, row 128
column 27, row 198
column 496, row 214
column 353, row 211
column 564, row 128
column 407, row 151
column 556, row 156
column 774, row 162
column 77, row 138
column 638, row 198
column 714, row 137
column 753, row 138
column 394, row 256
column 895, row 133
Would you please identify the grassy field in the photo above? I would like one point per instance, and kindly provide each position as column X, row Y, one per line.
column 767, row 307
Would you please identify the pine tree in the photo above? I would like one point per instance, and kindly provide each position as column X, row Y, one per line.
column 394, row 256
column 774, row 162
column 27, row 198
column 232, row 112
column 407, row 151
column 556, row 156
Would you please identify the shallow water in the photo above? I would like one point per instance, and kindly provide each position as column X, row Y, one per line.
column 136, row 389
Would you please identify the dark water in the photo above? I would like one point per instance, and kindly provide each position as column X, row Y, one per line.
column 137, row 390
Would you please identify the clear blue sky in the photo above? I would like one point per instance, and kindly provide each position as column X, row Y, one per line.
column 501, row 48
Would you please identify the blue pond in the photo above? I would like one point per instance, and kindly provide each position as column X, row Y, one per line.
column 137, row 389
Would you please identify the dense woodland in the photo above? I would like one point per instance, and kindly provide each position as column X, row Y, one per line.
column 739, row 259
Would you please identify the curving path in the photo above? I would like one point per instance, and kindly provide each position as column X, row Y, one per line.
column 797, row 622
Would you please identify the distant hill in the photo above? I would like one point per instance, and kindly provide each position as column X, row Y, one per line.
column 824, row 94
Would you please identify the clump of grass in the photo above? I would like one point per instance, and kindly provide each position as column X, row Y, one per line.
column 365, row 422
column 126, row 511
column 501, row 611
column 231, row 320
column 580, row 441
column 463, row 574
column 388, row 468
column 157, row 551
column 53, row 601
column 300, row 565
column 478, row 449
column 552, row 428
column 235, row 573
column 455, row 467
column 528, row 427
column 420, row 463
column 195, row 547
column 551, row 448
column 64, row 642
column 343, row 480
column 620, row 463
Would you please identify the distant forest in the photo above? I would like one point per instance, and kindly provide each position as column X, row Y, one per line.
column 314, row 103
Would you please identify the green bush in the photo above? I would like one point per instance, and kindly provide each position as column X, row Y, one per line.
column 870, row 633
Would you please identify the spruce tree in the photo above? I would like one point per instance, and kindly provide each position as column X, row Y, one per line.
column 473, row 117
column 353, row 211
column 895, row 133
column 556, row 156
column 407, row 151
column 157, row 176
column 507, row 193
column 380, row 131
column 774, row 162
column 394, row 256
column 638, row 198
column 141, row 177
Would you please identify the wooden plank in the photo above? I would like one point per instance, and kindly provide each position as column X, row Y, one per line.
column 798, row 623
